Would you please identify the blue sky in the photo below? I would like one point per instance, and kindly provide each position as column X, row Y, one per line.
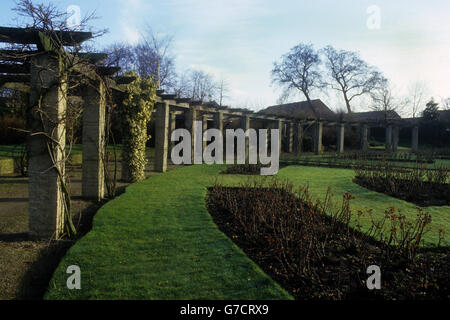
column 240, row 39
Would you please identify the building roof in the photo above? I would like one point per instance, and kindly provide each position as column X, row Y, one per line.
column 444, row 115
column 302, row 110
column 373, row 115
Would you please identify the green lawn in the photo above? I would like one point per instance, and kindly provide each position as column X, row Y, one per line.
column 157, row 241
column 340, row 181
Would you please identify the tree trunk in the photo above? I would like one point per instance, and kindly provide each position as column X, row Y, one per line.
column 347, row 103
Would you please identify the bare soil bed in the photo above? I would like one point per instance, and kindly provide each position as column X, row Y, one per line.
column 340, row 273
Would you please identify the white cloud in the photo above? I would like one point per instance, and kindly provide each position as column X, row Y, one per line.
column 131, row 35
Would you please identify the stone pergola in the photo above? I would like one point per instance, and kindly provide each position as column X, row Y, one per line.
column 34, row 71
column 169, row 107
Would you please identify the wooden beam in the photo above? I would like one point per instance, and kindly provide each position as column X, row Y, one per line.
column 31, row 36
column 14, row 78
column 107, row 71
column 124, row 80
column 14, row 68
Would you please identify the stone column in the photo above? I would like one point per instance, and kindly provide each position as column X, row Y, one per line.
column 204, row 128
column 364, row 137
column 279, row 126
column 415, row 139
column 389, row 138
column 218, row 121
column 298, row 138
column 291, row 137
column 340, row 138
column 245, row 124
column 318, row 128
column 395, row 138
column 93, row 185
column 46, row 199
column 190, row 118
column 161, row 136
column 172, row 126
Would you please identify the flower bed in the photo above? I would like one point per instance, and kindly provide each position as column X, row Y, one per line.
column 315, row 255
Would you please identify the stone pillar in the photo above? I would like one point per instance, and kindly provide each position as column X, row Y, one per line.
column 318, row 128
column 395, row 138
column 364, row 137
column 340, row 138
column 172, row 126
column 93, row 185
column 389, row 138
column 298, row 138
column 245, row 124
column 204, row 128
column 218, row 121
column 190, row 118
column 161, row 136
column 291, row 137
column 415, row 139
column 46, row 199
column 279, row 126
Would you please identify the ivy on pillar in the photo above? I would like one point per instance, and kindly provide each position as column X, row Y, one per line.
column 48, row 96
column 93, row 181
column 161, row 136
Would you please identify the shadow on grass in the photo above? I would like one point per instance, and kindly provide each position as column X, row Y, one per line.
column 14, row 200
column 37, row 278
column 14, row 237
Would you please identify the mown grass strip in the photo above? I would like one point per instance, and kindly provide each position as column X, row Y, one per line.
column 157, row 241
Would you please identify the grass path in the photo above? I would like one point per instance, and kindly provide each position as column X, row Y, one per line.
column 157, row 240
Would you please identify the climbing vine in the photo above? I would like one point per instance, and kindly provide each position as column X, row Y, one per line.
column 136, row 110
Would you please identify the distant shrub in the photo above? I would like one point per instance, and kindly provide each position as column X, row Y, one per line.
column 252, row 169
column 418, row 185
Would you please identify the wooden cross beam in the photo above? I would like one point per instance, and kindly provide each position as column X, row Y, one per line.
column 21, row 56
column 15, row 68
column 32, row 36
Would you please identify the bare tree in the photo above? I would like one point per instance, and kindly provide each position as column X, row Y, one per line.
column 416, row 95
column 350, row 75
column 203, row 86
column 223, row 89
column 154, row 58
column 120, row 55
column 150, row 57
column 446, row 103
column 385, row 100
column 298, row 70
